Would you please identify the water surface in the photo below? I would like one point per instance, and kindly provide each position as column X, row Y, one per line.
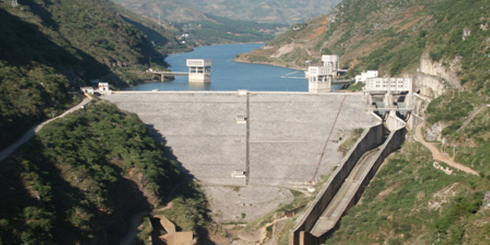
column 228, row 75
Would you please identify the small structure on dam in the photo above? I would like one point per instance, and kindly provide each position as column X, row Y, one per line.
column 331, row 61
column 199, row 70
column 321, row 78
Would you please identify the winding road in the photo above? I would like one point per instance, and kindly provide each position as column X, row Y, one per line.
column 439, row 156
column 31, row 132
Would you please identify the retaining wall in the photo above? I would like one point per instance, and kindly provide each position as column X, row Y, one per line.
column 370, row 139
column 392, row 143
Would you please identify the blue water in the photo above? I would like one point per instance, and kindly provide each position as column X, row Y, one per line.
column 227, row 75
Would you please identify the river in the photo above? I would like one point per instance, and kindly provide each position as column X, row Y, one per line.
column 228, row 75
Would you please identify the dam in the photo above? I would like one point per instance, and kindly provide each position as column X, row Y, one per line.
column 262, row 142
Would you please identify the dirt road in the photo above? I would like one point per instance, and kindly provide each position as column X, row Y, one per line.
column 437, row 155
column 29, row 134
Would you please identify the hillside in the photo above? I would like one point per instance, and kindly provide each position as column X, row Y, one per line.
column 48, row 50
column 222, row 30
column 411, row 201
column 387, row 35
column 83, row 177
column 269, row 11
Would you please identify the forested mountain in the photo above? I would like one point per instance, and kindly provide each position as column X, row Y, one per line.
column 83, row 177
column 269, row 11
column 411, row 201
column 48, row 49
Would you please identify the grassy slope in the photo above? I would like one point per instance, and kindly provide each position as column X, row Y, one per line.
column 409, row 201
column 220, row 30
column 51, row 48
column 82, row 178
column 386, row 35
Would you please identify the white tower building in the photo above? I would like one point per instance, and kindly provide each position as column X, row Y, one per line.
column 332, row 61
column 320, row 79
column 199, row 70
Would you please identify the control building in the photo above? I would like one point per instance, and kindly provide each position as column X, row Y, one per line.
column 320, row 78
column 332, row 61
column 199, row 70
column 386, row 94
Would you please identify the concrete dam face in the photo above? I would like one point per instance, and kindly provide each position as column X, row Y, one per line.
column 276, row 139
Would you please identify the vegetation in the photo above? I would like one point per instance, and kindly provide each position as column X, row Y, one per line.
column 399, row 206
column 49, row 50
column 355, row 87
column 190, row 209
column 391, row 36
column 83, row 177
column 217, row 29
column 411, row 202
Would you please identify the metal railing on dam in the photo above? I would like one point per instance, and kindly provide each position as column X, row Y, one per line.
column 347, row 183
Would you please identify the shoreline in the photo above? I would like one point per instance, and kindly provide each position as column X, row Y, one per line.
column 264, row 63
column 214, row 44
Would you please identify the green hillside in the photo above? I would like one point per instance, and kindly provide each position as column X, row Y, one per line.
column 221, row 30
column 387, row 35
column 410, row 201
column 49, row 49
column 218, row 22
column 83, row 177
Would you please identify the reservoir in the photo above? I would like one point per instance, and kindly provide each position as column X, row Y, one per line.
column 227, row 75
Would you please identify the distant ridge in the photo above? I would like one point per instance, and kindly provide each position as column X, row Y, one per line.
column 268, row 11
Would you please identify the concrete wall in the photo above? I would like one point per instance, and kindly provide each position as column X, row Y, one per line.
column 392, row 143
column 320, row 87
column 394, row 123
column 286, row 132
column 370, row 139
